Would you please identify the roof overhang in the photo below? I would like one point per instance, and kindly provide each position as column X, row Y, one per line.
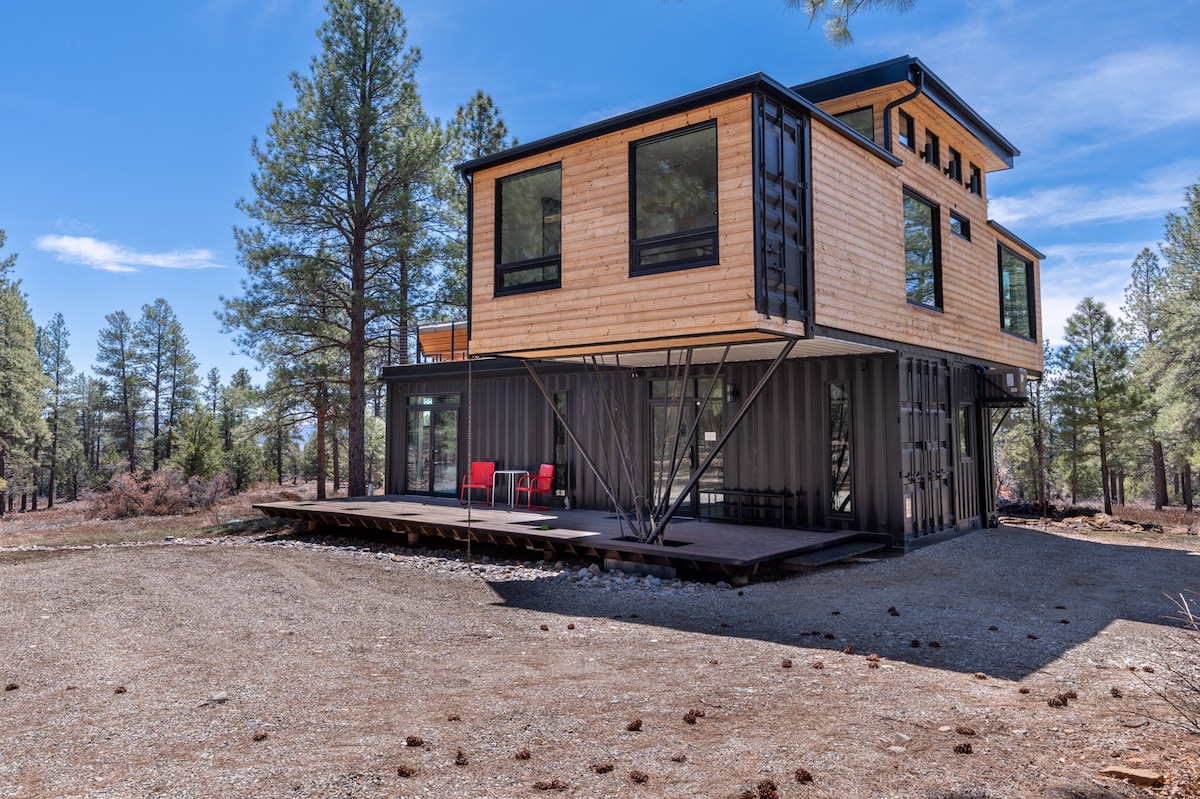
column 913, row 71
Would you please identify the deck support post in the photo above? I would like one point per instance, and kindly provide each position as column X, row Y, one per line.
column 685, row 491
column 587, row 458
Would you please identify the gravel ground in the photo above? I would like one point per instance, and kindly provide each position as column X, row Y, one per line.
column 285, row 666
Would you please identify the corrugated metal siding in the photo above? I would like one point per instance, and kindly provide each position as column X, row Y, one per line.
column 513, row 425
column 782, row 211
column 783, row 443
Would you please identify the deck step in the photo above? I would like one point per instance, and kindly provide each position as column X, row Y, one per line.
column 831, row 555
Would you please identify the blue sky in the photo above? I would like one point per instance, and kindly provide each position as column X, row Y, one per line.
column 125, row 127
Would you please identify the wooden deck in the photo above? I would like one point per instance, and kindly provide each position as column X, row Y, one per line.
column 735, row 551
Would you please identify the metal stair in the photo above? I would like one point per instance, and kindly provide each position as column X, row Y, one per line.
column 856, row 548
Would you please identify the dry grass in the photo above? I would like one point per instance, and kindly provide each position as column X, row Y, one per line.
column 70, row 524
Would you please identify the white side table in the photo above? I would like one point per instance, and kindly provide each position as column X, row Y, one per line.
column 512, row 475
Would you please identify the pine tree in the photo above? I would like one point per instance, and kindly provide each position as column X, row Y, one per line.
column 53, row 342
column 119, row 363
column 1096, row 361
column 345, row 197
column 170, row 371
column 838, row 13
column 21, row 380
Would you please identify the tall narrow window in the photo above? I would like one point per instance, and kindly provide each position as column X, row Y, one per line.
column 675, row 200
column 954, row 165
column 1017, row 310
column 932, row 152
column 922, row 258
column 861, row 120
column 975, row 183
column 905, row 131
column 529, row 230
column 841, row 499
column 562, row 480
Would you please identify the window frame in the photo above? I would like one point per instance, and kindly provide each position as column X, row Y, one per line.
column 708, row 233
column 975, row 182
column 841, row 442
column 1003, row 249
column 503, row 269
column 870, row 112
column 932, row 152
column 906, row 130
column 964, row 225
column 935, row 245
column 954, row 165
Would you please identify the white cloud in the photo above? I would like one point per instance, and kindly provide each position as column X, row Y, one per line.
column 1155, row 195
column 112, row 257
column 1074, row 271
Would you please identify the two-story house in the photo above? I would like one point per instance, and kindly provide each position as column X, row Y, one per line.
column 762, row 302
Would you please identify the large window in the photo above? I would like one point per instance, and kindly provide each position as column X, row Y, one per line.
column 674, row 214
column 1016, row 294
column 529, row 228
column 922, row 245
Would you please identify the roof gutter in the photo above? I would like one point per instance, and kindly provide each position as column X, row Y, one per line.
column 887, row 109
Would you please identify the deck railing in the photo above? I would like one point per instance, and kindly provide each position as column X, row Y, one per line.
column 430, row 342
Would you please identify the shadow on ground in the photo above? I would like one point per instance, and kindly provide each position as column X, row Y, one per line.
column 1006, row 602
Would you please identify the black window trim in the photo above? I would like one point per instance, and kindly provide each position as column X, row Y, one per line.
column 906, row 128
column 503, row 269
column 936, row 225
column 1030, row 299
column 839, row 117
column 932, row 152
column 964, row 231
column 710, row 232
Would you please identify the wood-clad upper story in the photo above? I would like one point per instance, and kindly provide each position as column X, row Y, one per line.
column 747, row 212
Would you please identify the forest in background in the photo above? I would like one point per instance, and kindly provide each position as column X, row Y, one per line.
column 1116, row 416
column 357, row 229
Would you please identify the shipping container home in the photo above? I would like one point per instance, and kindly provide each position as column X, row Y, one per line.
column 770, row 304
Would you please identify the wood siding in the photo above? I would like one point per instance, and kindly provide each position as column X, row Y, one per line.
column 599, row 303
column 858, row 240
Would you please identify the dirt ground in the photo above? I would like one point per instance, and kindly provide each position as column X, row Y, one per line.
column 237, row 661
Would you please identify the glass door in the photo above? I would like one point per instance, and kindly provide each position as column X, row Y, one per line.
column 431, row 465
column 677, row 448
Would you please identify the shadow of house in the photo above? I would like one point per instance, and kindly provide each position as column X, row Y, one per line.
column 1005, row 602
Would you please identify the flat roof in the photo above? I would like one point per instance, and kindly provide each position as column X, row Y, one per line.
column 758, row 82
column 913, row 71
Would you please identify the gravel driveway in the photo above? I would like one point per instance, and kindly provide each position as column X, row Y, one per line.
column 294, row 667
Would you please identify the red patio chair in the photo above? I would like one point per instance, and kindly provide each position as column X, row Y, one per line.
column 536, row 484
column 482, row 475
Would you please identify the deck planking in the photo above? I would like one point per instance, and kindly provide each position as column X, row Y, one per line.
column 737, row 551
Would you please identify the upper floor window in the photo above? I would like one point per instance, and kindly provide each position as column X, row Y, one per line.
column 922, row 251
column 1016, row 294
column 960, row 225
column 861, row 120
column 906, row 131
column 954, row 165
column 674, row 209
column 529, row 230
column 932, row 149
column 975, row 184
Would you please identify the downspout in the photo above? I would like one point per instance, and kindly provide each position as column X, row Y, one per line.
column 887, row 109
